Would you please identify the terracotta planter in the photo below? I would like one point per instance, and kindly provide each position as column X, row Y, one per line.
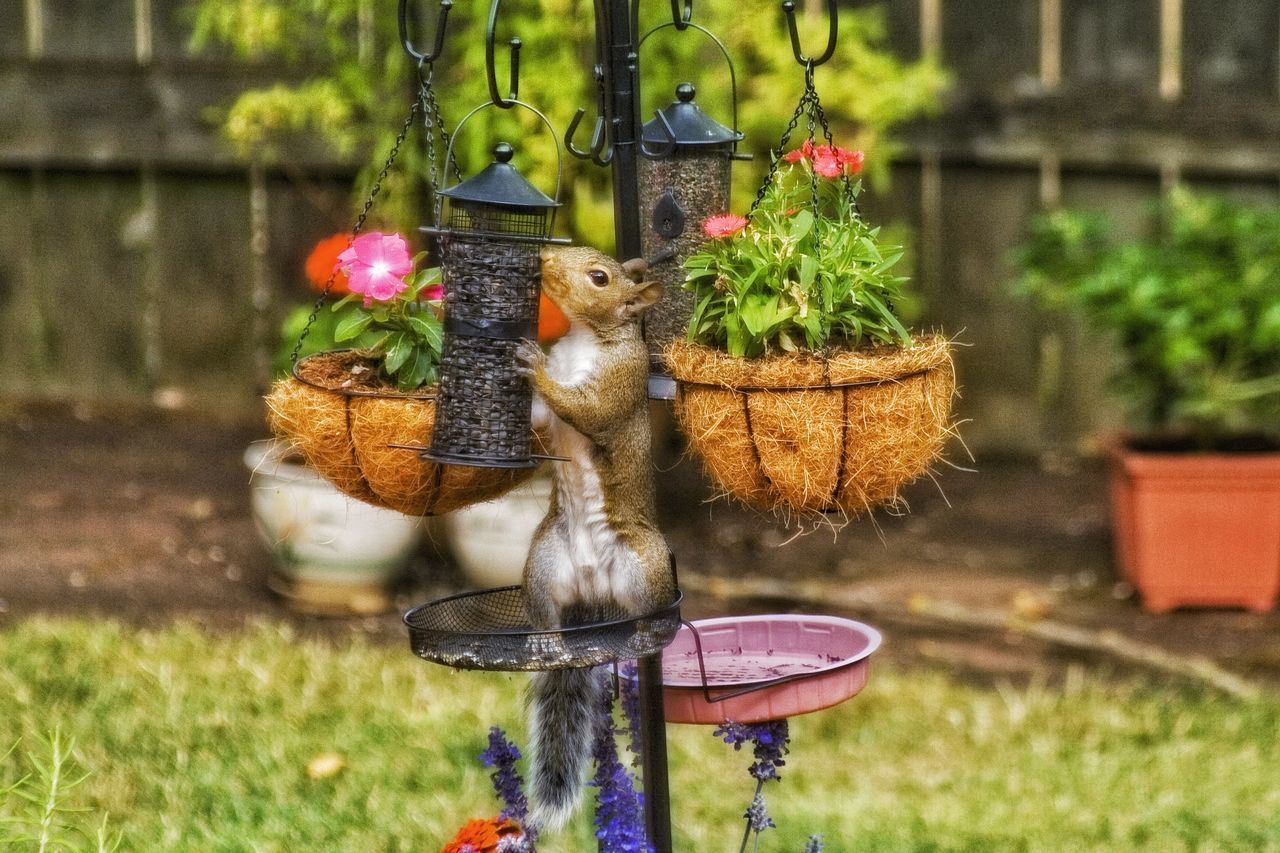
column 1198, row 529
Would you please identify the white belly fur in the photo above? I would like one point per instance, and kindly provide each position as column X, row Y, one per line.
column 600, row 566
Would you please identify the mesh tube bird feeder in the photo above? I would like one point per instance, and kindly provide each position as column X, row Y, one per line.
column 489, row 249
column 687, row 180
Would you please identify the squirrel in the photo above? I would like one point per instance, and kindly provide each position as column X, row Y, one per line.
column 598, row 550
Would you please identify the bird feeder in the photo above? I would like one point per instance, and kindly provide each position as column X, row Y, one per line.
column 489, row 252
column 677, row 192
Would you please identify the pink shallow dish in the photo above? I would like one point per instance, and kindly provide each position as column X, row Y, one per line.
column 778, row 666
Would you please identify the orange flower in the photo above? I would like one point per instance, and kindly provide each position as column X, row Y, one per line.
column 552, row 323
column 323, row 261
column 481, row 835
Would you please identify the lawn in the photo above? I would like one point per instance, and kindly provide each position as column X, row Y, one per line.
column 201, row 742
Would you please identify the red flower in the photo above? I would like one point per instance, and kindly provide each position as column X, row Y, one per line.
column 723, row 225
column 322, row 262
column 832, row 161
column 850, row 160
column 826, row 163
column 804, row 152
column 481, row 835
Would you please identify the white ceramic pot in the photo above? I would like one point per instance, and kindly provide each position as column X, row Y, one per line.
column 490, row 540
column 333, row 554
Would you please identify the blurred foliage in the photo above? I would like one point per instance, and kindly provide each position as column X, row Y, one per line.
column 1195, row 307
column 347, row 84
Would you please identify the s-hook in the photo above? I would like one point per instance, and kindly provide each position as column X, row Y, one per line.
column 789, row 7
column 420, row 57
column 514, row 92
column 596, row 148
column 679, row 20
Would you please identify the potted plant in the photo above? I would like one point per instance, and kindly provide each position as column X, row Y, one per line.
column 362, row 416
column 333, row 554
column 1195, row 310
column 798, row 385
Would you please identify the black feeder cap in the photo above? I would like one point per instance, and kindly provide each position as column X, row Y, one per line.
column 500, row 184
column 690, row 124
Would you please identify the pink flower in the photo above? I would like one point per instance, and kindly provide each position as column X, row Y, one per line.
column 376, row 265
column 723, row 225
column 433, row 293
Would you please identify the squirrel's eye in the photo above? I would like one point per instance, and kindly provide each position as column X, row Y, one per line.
column 598, row 277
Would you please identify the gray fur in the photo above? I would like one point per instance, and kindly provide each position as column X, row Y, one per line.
column 563, row 705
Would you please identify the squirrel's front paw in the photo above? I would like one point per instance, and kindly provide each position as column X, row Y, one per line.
column 529, row 358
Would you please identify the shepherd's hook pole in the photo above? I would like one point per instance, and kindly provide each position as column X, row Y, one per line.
column 617, row 38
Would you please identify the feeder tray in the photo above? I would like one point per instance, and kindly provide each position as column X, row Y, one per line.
column 491, row 630
column 751, row 669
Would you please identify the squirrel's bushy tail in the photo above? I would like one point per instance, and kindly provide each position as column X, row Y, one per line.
column 563, row 705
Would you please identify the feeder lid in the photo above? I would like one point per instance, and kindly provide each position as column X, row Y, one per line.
column 500, row 184
column 690, row 124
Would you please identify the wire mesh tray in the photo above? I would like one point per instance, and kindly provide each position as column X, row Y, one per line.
column 490, row 629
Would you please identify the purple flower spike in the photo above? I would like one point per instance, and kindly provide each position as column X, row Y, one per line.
column 770, row 740
column 619, row 807
column 758, row 816
column 629, row 691
column 502, row 756
column 814, row 844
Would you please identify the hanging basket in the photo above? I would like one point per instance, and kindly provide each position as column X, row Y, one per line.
column 802, row 433
column 367, row 438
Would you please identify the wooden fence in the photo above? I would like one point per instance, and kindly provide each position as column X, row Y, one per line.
column 142, row 258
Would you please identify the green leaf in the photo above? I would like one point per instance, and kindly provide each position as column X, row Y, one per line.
column 399, row 349
column 899, row 330
column 352, row 325
column 418, row 372
column 808, row 271
column 801, row 224
column 427, row 331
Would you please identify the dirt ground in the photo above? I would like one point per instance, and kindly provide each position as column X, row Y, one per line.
column 143, row 516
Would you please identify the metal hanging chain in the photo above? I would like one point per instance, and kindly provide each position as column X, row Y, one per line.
column 426, row 104
column 810, row 108
column 431, row 121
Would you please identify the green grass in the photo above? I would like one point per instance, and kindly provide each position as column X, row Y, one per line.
column 199, row 741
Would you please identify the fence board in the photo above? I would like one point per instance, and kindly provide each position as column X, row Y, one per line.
column 116, row 115
column 991, row 45
column 983, row 211
column 1231, row 47
column 171, row 28
column 1109, row 45
column 13, row 41
column 20, row 341
column 88, row 29
column 90, row 286
column 202, row 269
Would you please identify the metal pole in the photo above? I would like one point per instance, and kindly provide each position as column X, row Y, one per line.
column 653, row 754
column 621, row 66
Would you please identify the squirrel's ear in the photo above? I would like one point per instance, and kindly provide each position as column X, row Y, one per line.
column 641, row 299
column 635, row 269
